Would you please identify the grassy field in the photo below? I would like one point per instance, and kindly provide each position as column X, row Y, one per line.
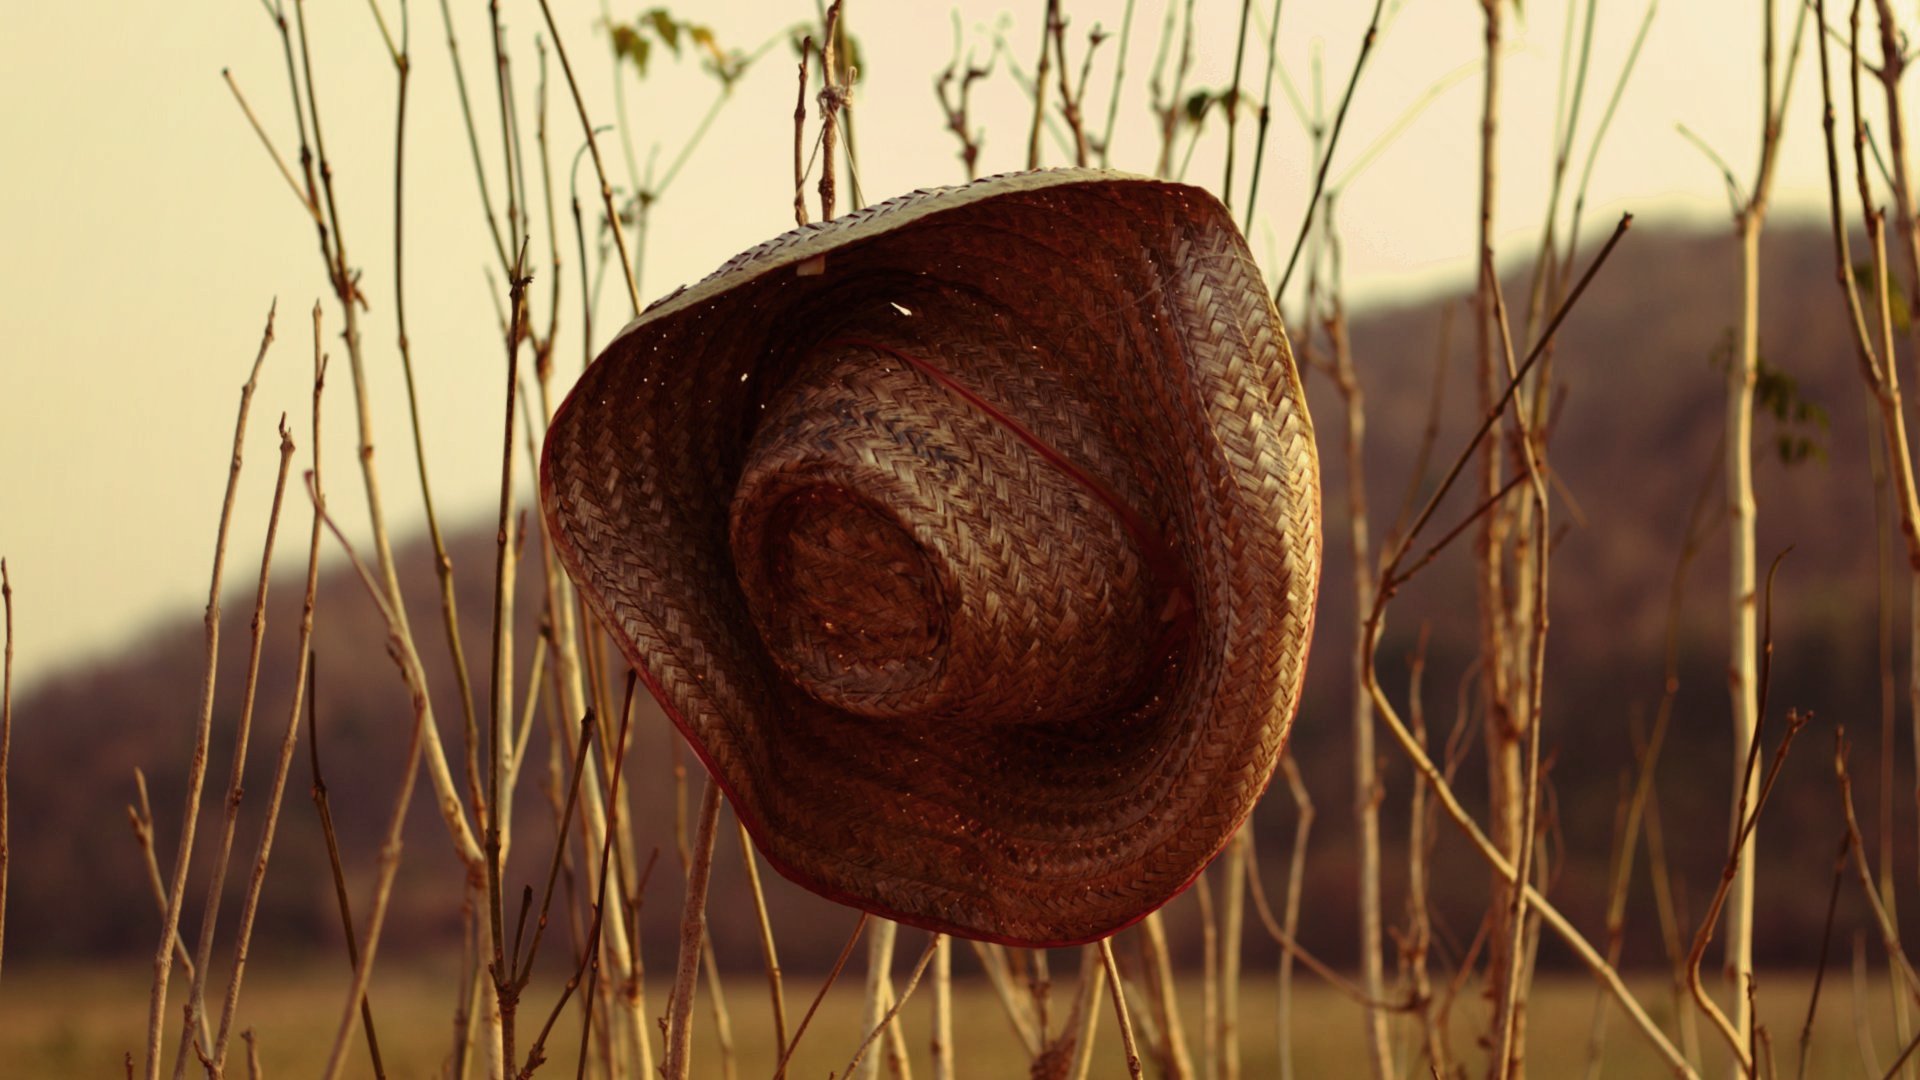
column 60, row 1023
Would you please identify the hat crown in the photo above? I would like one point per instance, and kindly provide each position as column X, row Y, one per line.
column 903, row 553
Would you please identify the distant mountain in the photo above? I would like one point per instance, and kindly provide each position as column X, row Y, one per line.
column 1633, row 440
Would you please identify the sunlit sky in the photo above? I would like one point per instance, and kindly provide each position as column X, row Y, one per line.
column 146, row 231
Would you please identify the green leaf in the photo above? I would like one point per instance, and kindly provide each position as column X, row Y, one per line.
column 1197, row 106
column 703, row 37
column 629, row 45
column 665, row 27
column 1896, row 295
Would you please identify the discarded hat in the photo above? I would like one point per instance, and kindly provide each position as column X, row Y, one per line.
column 971, row 539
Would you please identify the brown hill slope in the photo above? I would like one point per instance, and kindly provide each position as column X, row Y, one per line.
column 1636, row 435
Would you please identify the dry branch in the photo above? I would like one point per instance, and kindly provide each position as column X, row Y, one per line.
column 196, row 996
column 197, row 768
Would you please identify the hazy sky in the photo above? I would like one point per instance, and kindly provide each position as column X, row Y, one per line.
column 146, row 231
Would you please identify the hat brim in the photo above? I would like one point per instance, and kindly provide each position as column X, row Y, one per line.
column 1136, row 294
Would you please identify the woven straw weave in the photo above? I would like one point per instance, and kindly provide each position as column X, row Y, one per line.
column 1011, row 655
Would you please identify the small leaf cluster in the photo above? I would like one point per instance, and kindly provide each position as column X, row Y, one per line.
column 634, row 43
column 1800, row 423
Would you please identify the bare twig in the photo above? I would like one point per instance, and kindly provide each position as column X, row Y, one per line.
column 6, row 743
column 1166, row 1003
column 216, row 882
column 327, row 831
column 955, row 106
column 1070, row 101
column 197, row 769
column 1266, row 113
column 1040, row 83
column 831, row 97
column 1826, row 944
column 501, row 712
column 993, row 961
column 1889, row 929
column 780, row 1071
column 1119, row 75
column 1120, row 1010
column 799, row 138
column 1333, row 140
column 887, row 1021
column 140, row 817
column 599, row 167
column 768, row 951
column 943, row 1008
column 693, row 927
column 306, row 203
column 473, row 138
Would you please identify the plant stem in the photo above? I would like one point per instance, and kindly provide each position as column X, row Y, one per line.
column 197, row 768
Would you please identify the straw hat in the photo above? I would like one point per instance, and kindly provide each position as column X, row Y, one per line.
column 971, row 539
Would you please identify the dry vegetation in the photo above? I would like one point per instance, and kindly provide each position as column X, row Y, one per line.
column 553, row 976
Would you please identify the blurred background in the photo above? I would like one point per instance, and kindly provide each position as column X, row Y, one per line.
column 148, row 232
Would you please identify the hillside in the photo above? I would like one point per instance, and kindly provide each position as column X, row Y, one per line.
column 1635, row 436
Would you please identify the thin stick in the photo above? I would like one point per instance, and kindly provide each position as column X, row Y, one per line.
column 943, row 1008
column 1889, row 929
column 250, row 906
column 1120, row 1009
column 1742, row 375
column 501, row 711
column 140, row 817
column 1119, row 74
column 1166, row 1001
column 1084, row 1022
column 1040, row 84
column 1169, row 110
column 1366, row 783
column 767, row 949
column 1209, row 977
column 524, row 969
column 400, row 647
column 800, row 138
column 1266, row 113
column 1826, row 945
column 327, row 831
column 1233, row 116
column 1232, row 934
column 1862, row 1026
column 197, row 769
column 536, row 1053
column 887, row 1021
column 216, row 883
column 993, row 962
column 1419, row 939
column 351, row 299
column 1738, row 1031
column 830, row 100
column 442, row 563
column 473, row 138
column 878, row 989
column 279, row 162
column 1510, row 1004
column 780, row 1071
column 1070, row 101
column 1286, row 938
column 6, row 744
column 1333, row 140
column 1296, row 885
column 1498, row 406
column 599, row 167
column 693, row 927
